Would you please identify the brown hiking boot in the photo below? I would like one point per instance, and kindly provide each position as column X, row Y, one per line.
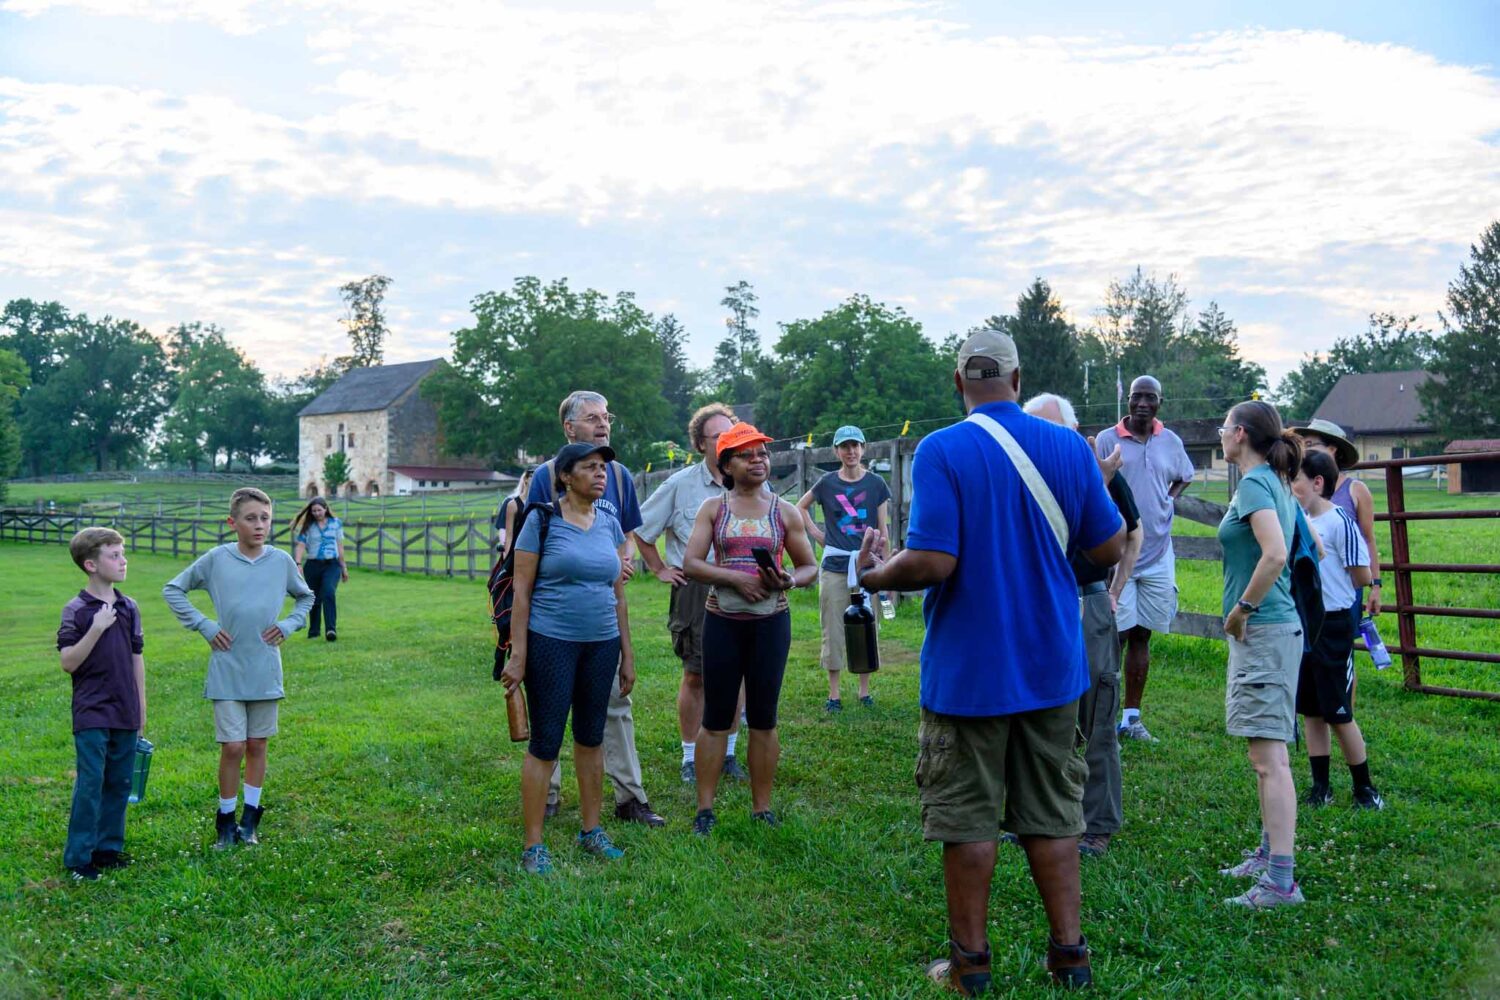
column 966, row 973
column 636, row 811
column 1069, row 964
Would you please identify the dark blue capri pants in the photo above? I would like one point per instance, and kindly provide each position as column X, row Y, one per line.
column 562, row 675
column 750, row 650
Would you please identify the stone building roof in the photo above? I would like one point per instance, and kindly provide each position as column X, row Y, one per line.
column 364, row 389
column 1367, row 403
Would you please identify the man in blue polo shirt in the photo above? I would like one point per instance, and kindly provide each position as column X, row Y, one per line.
column 999, row 503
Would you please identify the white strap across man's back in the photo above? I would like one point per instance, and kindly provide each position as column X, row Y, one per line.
column 1037, row 486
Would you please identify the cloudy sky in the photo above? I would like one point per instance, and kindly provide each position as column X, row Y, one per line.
column 235, row 161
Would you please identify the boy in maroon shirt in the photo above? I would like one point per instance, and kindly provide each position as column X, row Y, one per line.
column 100, row 644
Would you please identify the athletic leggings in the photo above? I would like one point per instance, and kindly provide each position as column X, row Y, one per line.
column 751, row 650
column 561, row 674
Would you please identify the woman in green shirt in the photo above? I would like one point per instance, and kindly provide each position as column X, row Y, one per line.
column 1264, row 636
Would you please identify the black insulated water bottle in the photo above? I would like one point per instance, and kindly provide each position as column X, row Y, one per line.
column 859, row 636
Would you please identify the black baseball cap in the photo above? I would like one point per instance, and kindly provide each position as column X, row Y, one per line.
column 572, row 454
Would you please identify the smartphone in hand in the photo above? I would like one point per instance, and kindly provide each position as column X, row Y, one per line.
column 763, row 559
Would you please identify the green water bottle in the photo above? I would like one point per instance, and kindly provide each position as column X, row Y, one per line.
column 142, row 769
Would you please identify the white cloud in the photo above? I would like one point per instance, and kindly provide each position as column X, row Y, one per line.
column 1075, row 158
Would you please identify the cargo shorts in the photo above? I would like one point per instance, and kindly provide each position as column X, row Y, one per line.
column 1024, row 772
column 685, row 610
column 1261, row 684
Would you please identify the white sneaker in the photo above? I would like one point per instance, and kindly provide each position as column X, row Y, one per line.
column 1263, row 895
column 1255, row 863
column 1136, row 731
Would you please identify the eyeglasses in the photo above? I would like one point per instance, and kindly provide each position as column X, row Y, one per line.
column 596, row 420
column 1229, row 429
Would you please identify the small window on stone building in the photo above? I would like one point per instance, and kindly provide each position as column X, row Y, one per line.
column 351, row 439
column 328, row 440
column 373, row 488
column 446, row 484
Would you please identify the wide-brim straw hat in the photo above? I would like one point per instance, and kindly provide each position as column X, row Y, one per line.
column 1344, row 452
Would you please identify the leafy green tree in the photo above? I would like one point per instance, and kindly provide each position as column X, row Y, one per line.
column 1205, row 366
column 335, row 472
column 1140, row 319
column 1466, row 402
column 365, row 320
column 1390, row 343
column 14, row 378
column 1046, row 341
column 105, row 395
column 677, row 377
column 211, row 378
column 531, row 346
column 859, row 363
column 731, row 377
column 32, row 330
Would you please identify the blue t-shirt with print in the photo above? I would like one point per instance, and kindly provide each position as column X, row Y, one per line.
column 574, row 594
column 322, row 543
column 1003, row 632
column 624, row 508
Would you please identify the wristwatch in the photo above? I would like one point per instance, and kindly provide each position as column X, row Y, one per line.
column 1247, row 607
column 1375, row 582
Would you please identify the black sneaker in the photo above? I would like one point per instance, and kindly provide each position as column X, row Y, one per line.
column 315, row 635
column 227, row 829
column 833, row 705
column 733, row 771
column 1318, row 795
column 704, row 822
column 111, row 859
column 331, row 636
column 249, row 820
column 550, row 810
column 84, row 873
column 767, row 817
column 1368, row 798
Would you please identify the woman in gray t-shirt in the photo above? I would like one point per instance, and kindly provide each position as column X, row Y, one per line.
column 569, row 634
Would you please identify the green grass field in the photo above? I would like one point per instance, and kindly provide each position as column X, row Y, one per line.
column 388, row 861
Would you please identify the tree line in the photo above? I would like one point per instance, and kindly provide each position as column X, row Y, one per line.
column 77, row 392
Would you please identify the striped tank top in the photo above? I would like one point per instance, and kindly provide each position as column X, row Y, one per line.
column 734, row 538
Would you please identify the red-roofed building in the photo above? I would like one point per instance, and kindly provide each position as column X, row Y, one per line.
column 421, row 478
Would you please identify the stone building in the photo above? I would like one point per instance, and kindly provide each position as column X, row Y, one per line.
column 377, row 417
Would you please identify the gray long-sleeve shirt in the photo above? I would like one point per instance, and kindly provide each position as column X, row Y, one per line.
column 247, row 596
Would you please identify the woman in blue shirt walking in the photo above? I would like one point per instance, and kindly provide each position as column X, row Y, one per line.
column 320, row 542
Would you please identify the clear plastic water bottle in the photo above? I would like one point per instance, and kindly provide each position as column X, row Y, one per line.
column 887, row 604
column 1373, row 643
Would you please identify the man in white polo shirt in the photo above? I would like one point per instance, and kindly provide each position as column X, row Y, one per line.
column 1157, row 467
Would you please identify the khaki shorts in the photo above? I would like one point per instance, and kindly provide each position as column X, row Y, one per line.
column 1024, row 771
column 833, row 601
column 685, row 610
column 236, row 721
column 1261, row 687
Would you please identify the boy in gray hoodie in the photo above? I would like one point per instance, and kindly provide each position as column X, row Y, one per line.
column 247, row 582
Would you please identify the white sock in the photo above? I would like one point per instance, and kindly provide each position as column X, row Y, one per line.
column 227, row 805
column 1129, row 716
column 729, row 750
column 689, row 752
column 252, row 795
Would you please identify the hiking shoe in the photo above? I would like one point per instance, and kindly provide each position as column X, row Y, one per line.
column 1318, row 795
column 1136, row 731
column 1093, row 845
column 1255, row 863
column 703, row 823
column 733, row 771
column 1069, row 964
column 104, row 860
column 767, row 817
column 331, row 636
column 1368, row 798
column 867, row 701
column 249, row 820
column 84, row 873
column 536, row 860
column 597, row 843
column 689, row 773
column 833, row 705
column 966, row 973
column 1009, row 838
column 1264, row 894
column 550, row 810
column 228, row 831
column 315, row 635
column 636, row 811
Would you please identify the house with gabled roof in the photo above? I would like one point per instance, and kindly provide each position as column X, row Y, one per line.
column 1381, row 412
column 378, row 418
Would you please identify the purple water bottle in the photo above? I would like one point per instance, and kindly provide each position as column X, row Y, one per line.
column 1371, row 636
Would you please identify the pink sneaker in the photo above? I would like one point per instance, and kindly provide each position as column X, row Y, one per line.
column 1255, row 863
column 1263, row 895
